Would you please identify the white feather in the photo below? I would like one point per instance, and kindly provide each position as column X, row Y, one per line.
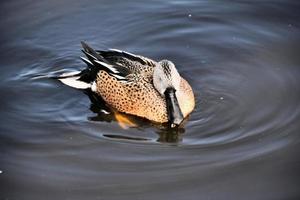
column 118, row 77
column 67, row 74
column 91, row 55
column 83, row 58
column 94, row 86
column 105, row 112
column 117, row 50
column 73, row 82
column 110, row 67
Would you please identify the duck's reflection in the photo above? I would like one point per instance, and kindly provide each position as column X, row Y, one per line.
column 168, row 135
column 106, row 114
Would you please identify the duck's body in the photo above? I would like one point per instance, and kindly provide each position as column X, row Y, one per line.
column 126, row 82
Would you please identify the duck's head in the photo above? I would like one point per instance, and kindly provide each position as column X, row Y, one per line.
column 166, row 80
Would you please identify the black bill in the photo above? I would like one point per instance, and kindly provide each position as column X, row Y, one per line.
column 174, row 113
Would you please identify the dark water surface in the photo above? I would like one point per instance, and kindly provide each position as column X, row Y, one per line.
column 241, row 142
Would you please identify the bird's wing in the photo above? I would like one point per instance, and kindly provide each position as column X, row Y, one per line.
column 135, row 63
column 97, row 62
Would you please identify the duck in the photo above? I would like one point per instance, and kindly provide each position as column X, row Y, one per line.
column 134, row 84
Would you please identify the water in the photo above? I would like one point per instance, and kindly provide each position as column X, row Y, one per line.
column 241, row 142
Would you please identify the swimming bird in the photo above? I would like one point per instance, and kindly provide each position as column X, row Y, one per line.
column 135, row 85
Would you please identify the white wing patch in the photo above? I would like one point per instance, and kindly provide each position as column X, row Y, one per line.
column 118, row 77
column 94, row 86
column 71, row 80
column 68, row 74
column 117, row 50
column 86, row 60
column 110, row 67
column 91, row 55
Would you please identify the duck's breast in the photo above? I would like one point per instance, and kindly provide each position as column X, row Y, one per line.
column 185, row 98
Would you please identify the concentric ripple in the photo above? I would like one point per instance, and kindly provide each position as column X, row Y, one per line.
column 239, row 143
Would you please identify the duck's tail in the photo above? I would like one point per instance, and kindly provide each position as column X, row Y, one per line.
column 73, row 79
column 95, row 62
column 83, row 79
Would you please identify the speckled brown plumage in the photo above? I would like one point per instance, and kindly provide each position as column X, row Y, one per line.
column 140, row 98
column 137, row 98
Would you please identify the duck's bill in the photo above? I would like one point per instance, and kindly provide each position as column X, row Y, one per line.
column 175, row 115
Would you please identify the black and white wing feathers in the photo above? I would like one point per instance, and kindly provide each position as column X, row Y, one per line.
column 97, row 62
column 128, row 60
